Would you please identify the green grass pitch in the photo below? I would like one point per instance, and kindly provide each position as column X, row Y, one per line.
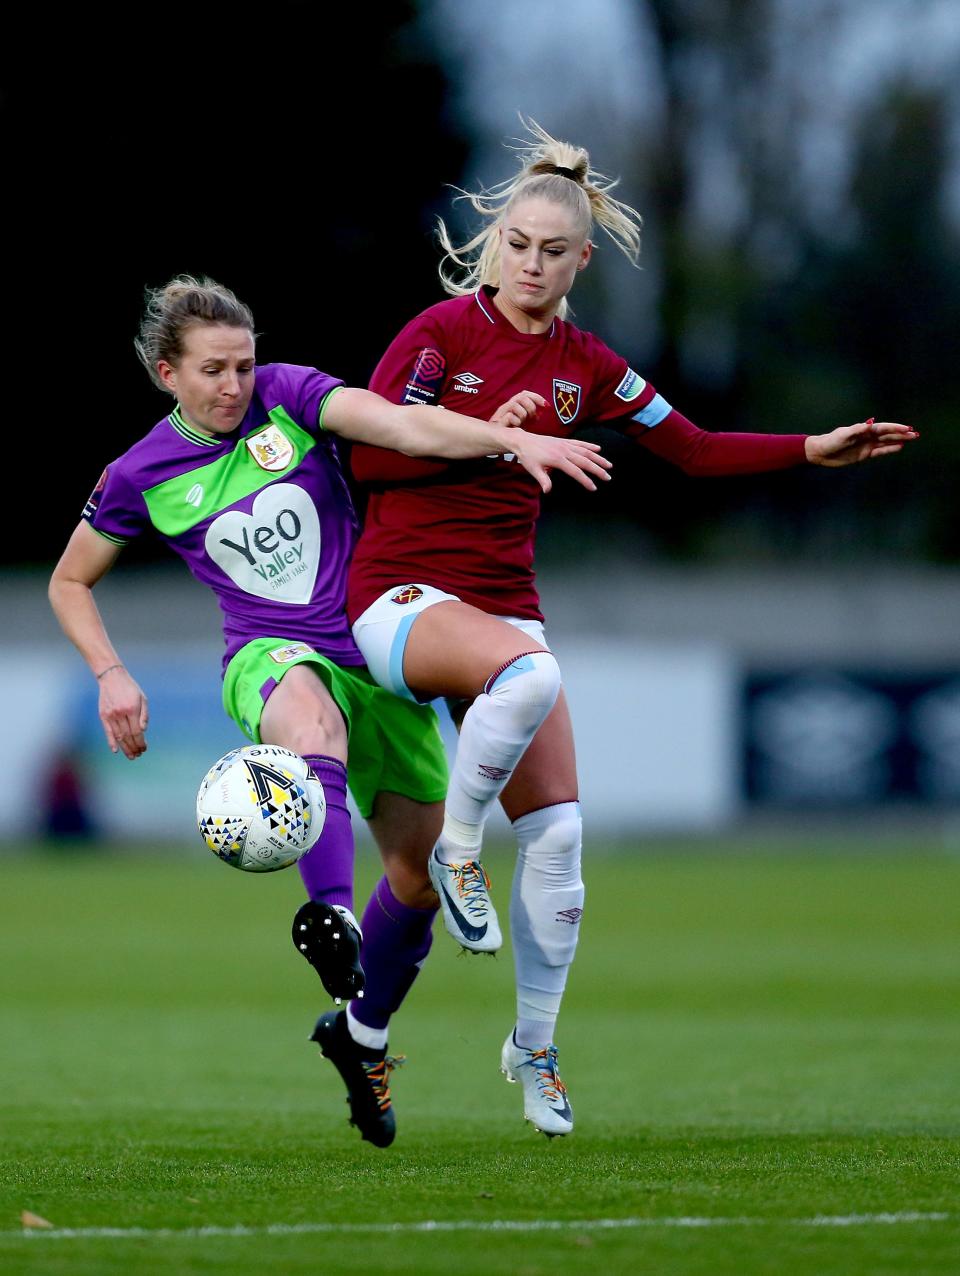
column 762, row 1052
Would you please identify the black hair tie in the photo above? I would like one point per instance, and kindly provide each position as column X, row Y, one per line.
column 565, row 172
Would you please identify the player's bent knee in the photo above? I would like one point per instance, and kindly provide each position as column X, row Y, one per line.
column 410, row 885
column 302, row 715
column 552, row 838
column 530, row 682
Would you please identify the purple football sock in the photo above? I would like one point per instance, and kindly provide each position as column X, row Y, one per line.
column 396, row 940
column 327, row 869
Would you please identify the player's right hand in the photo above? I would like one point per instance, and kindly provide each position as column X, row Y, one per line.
column 519, row 408
column 539, row 453
column 123, row 712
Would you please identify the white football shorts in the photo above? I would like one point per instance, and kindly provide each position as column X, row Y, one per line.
column 381, row 631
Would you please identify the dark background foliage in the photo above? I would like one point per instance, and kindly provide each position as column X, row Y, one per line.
column 300, row 155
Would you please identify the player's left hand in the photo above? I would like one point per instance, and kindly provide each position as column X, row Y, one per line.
column 849, row 444
column 538, row 453
column 123, row 713
column 520, row 408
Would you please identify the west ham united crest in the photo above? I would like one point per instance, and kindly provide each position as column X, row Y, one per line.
column 409, row 594
column 566, row 399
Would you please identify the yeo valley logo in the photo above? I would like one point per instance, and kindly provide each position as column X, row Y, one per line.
column 274, row 551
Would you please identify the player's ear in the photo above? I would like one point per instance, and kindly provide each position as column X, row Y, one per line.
column 586, row 252
column 167, row 374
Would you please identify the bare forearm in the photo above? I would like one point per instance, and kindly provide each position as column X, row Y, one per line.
column 74, row 607
column 122, row 706
column 429, row 431
column 414, row 429
column 420, row 431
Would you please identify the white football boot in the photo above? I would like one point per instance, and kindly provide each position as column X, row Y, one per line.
column 545, row 1103
column 468, row 912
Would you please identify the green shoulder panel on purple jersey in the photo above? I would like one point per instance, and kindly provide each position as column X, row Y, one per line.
column 181, row 502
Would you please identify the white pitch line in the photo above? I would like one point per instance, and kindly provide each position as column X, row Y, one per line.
column 468, row 1225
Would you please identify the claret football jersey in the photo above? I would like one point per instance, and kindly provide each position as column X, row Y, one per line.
column 262, row 515
column 468, row 526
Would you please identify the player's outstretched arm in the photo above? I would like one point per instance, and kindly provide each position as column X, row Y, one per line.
column 417, row 430
column 123, row 706
column 849, row 444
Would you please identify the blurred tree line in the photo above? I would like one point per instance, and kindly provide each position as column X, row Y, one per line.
column 776, row 317
column 300, row 156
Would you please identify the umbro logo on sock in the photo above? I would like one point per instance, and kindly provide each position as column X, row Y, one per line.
column 492, row 772
column 571, row 915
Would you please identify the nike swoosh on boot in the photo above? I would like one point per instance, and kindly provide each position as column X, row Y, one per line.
column 471, row 932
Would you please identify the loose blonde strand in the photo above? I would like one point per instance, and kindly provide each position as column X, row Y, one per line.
column 466, row 266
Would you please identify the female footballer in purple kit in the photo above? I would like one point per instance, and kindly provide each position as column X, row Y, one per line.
column 242, row 480
column 442, row 593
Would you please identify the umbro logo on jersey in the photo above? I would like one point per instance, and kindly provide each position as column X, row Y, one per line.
column 466, row 382
column 194, row 496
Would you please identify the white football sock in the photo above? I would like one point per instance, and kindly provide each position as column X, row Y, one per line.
column 372, row 1038
column 545, row 909
column 496, row 730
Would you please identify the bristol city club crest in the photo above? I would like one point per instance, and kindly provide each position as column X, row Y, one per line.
column 271, row 449
column 566, row 400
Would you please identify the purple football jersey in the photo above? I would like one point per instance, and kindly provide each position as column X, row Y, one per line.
column 262, row 515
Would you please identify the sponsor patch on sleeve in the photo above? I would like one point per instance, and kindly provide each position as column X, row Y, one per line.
column 93, row 501
column 426, row 379
column 293, row 651
column 631, row 387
